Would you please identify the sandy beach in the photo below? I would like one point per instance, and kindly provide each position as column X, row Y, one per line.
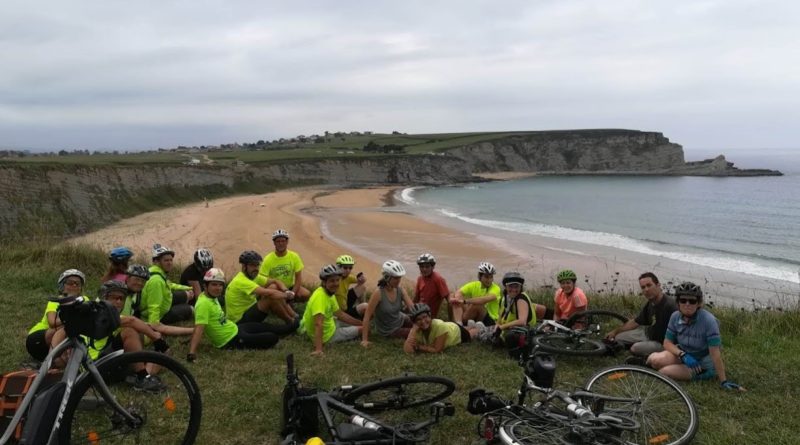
column 324, row 223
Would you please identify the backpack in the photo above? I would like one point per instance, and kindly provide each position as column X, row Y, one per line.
column 13, row 388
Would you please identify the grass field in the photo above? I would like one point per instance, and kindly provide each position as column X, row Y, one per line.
column 241, row 389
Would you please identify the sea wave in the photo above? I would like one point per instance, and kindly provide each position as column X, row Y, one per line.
column 406, row 195
column 728, row 263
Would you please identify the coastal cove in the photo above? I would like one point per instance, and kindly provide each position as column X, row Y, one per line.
column 374, row 224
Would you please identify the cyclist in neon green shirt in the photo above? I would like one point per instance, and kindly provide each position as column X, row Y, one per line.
column 210, row 322
column 251, row 297
column 285, row 265
column 158, row 307
column 318, row 318
column 478, row 300
column 40, row 336
column 434, row 335
column 352, row 289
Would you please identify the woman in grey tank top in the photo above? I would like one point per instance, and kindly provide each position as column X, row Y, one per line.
column 386, row 305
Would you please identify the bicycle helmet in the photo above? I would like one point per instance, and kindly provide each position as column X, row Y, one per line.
column 419, row 309
column 513, row 277
column 137, row 270
column 330, row 270
column 70, row 273
column 111, row 286
column 214, row 274
column 392, row 268
column 250, row 257
column 203, row 259
column 426, row 258
column 689, row 289
column 345, row 260
column 280, row 233
column 566, row 274
column 120, row 254
column 159, row 251
column 486, row 268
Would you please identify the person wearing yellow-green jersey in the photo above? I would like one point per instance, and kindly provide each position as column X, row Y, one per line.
column 157, row 304
column 434, row 335
column 285, row 265
column 211, row 322
column 318, row 318
column 251, row 297
column 352, row 289
column 478, row 300
column 40, row 336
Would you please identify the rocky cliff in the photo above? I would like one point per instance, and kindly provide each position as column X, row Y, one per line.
column 58, row 200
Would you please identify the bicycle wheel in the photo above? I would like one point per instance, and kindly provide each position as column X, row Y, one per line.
column 399, row 393
column 596, row 323
column 566, row 344
column 665, row 411
column 168, row 414
column 538, row 431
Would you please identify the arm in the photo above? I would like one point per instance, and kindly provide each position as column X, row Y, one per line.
column 522, row 316
column 347, row 318
column 672, row 347
column 197, row 335
column 716, row 357
column 298, row 281
column 139, row 326
column 176, row 286
column 172, row 330
column 318, row 320
column 373, row 303
column 629, row 325
column 436, row 347
column 195, row 285
column 457, row 298
column 274, row 294
column 53, row 321
column 410, row 345
column 407, row 299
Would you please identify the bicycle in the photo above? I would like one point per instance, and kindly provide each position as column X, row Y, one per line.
column 624, row 404
column 94, row 403
column 347, row 411
column 578, row 336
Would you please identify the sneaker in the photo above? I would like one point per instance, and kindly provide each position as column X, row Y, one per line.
column 470, row 323
column 485, row 333
column 634, row 360
column 151, row 383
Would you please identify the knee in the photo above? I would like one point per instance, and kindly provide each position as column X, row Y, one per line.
column 657, row 360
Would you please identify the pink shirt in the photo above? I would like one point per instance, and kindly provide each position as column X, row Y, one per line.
column 567, row 306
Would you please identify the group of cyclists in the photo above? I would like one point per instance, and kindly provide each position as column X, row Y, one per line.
column 676, row 336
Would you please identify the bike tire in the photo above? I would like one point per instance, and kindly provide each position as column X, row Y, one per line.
column 566, row 344
column 541, row 431
column 171, row 416
column 597, row 323
column 399, row 393
column 667, row 414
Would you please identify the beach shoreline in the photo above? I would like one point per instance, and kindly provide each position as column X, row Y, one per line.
column 373, row 225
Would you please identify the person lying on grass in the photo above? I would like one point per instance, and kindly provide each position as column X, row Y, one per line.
column 434, row 335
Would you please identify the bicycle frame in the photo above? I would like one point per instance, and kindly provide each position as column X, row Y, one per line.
column 72, row 374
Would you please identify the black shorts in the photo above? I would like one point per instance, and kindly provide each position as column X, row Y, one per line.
column 465, row 337
column 253, row 315
column 36, row 344
column 488, row 321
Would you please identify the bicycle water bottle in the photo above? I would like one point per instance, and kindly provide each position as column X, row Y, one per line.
column 579, row 411
column 362, row 422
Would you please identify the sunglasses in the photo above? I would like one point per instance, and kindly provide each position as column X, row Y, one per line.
column 72, row 283
column 687, row 301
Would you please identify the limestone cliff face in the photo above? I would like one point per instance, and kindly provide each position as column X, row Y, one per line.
column 58, row 200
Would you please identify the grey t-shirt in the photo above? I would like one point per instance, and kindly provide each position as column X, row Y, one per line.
column 656, row 317
column 388, row 315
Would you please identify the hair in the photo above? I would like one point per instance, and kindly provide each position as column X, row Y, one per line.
column 650, row 275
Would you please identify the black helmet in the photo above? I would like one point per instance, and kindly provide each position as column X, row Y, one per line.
column 137, row 270
column 689, row 289
column 111, row 286
column 419, row 309
column 203, row 259
column 250, row 257
column 513, row 277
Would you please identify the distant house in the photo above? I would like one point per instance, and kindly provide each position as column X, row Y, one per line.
column 193, row 161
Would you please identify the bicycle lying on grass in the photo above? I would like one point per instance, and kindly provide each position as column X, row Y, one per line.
column 347, row 411
column 95, row 404
column 623, row 404
column 579, row 335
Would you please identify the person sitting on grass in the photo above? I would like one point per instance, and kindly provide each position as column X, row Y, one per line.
column 318, row 319
column 210, row 321
column 692, row 343
column 351, row 289
column 481, row 298
column 655, row 315
column 118, row 263
column 386, row 305
column 159, row 307
column 517, row 309
column 569, row 299
column 193, row 274
column 136, row 277
column 251, row 297
column 431, row 287
column 434, row 335
column 40, row 336
column 285, row 265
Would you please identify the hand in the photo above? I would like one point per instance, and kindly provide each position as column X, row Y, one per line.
column 727, row 384
column 191, row 357
column 289, row 295
column 160, row 345
column 189, row 294
column 691, row 362
column 365, row 343
column 319, row 353
column 361, row 278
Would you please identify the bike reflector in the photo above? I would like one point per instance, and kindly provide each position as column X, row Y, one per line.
column 658, row 439
column 617, row 375
column 488, row 429
column 169, row 404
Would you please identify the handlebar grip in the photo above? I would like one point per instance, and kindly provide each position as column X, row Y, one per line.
column 290, row 364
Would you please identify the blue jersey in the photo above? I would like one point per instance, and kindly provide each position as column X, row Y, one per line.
column 696, row 335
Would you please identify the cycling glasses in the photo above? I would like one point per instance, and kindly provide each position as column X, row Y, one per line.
column 687, row 300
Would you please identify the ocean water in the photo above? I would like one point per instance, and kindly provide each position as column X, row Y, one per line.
column 743, row 225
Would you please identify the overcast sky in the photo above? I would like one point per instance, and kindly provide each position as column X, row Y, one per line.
column 145, row 74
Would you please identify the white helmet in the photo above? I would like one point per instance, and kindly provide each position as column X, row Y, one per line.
column 486, row 268
column 70, row 273
column 426, row 258
column 330, row 270
column 280, row 233
column 214, row 274
column 392, row 268
column 159, row 250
